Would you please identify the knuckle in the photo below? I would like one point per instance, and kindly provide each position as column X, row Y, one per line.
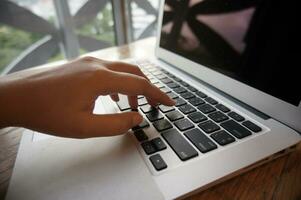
column 102, row 73
column 111, row 64
column 88, row 59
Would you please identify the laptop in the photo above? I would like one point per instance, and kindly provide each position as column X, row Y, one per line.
column 230, row 69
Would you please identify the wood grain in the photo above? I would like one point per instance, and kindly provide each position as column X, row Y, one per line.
column 276, row 180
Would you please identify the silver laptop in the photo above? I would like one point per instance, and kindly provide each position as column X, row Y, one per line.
column 238, row 106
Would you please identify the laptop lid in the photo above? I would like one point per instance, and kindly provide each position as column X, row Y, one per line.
column 242, row 47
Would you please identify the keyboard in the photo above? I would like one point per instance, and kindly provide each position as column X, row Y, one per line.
column 196, row 125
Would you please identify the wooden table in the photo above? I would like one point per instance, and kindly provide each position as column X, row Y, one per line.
column 279, row 179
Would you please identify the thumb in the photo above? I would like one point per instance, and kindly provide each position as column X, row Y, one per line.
column 110, row 124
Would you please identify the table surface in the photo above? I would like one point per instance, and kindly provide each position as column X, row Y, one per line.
column 279, row 179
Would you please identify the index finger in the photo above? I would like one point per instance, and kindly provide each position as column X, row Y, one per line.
column 130, row 84
column 128, row 68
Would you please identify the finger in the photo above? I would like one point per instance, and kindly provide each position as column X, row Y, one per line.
column 152, row 102
column 133, row 69
column 114, row 97
column 109, row 125
column 136, row 85
column 125, row 67
column 133, row 102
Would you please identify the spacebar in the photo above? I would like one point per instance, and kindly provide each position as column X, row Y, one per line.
column 180, row 146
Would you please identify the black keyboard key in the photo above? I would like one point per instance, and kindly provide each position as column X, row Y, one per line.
column 140, row 135
column 180, row 90
column 173, row 85
column 142, row 101
column 236, row 116
column 200, row 140
column 206, row 108
column 154, row 115
column 209, row 126
column 153, row 81
column 172, row 76
column 180, row 146
column 180, row 102
column 222, row 108
column 236, row 129
column 222, row 137
column 161, row 76
column 186, row 109
column 147, row 108
column 197, row 117
column 158, row 162
column 159, row 85
column 165, row 109
column 196, row 101
column 218, row 116
column 142, row 125
column 184, row 83
column 183, row 124
column 211, row 101
column 165, row 89
column 253, row 127
column 187, row 95
column 192, row 89
column 162, row 125
column 148, row 147
column 152, row 69
column 164, row 71
column 175, row 78
column 172, row 95
column 123, row 103
column 174, row 115
column 201, row 94
column 158, row 144
column 156, row 73
column 149, row 76
column 166, row 80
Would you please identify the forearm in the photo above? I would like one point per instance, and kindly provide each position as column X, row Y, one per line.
column 8, row 103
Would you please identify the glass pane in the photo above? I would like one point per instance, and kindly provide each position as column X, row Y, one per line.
column 25, row 34
column 13, row 41
column 94, row 24
column 144, row 18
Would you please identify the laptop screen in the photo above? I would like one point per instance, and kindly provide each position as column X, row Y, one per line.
column 252, row 41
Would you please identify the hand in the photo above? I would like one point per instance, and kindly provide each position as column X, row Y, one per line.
column 60, row 100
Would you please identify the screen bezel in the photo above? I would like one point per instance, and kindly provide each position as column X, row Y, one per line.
column 276, row 108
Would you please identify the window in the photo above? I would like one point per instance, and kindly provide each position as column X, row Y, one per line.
column 34, row 32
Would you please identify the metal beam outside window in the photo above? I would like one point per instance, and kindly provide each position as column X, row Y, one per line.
column 67, row 29
column 121, row 16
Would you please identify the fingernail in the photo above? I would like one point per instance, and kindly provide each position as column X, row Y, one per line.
column 137, row 119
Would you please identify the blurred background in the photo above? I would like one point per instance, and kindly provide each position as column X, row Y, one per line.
column 34, row 32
